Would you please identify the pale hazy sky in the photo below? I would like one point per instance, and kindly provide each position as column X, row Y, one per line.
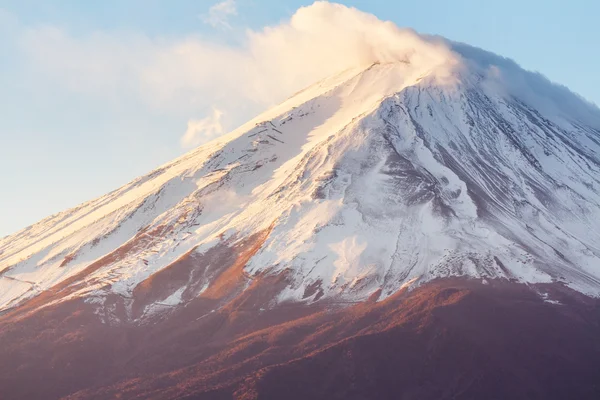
column 93, row 94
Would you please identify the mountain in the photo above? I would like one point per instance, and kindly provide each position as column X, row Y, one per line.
column 403, row 230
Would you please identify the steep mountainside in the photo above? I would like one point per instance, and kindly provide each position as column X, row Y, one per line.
column 374, row 179
column 446, row 210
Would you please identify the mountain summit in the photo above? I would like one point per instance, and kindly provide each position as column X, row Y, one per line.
column 450, row 166
column 374, row 179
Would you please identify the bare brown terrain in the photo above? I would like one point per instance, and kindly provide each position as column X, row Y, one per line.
column 449, row 339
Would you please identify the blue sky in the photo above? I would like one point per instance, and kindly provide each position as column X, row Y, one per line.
column 78, row 121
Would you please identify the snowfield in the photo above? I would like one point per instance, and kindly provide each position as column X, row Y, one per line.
column 382, row 177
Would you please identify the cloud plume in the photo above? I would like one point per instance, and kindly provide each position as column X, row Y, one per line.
column 191, row 74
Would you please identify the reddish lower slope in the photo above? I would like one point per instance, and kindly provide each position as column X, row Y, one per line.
column 476, row 346
column 450, row 339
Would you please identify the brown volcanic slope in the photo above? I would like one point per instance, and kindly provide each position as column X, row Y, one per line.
column 449, row 339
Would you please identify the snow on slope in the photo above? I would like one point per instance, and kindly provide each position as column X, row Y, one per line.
column 379, row 177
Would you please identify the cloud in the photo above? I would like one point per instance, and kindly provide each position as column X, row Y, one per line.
column 218, row 15
column 187, row 75
column 204, row 130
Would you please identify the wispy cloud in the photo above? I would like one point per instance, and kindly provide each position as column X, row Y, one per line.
column 218, row 15
column 186, row 75
column 203, row 130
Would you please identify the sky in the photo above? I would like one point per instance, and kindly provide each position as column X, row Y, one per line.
column 94, row 94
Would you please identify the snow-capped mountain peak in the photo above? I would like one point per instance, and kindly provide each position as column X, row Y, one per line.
column 453, row 162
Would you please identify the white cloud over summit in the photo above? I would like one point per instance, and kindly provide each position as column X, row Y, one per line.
column 193, row 74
